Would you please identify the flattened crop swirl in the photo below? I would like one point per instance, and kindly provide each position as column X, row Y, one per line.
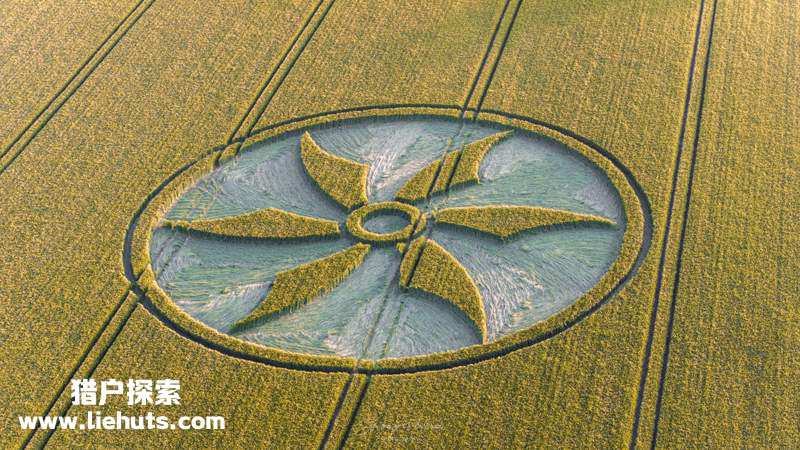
column 636, row 244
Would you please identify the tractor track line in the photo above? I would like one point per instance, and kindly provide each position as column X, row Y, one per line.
column 486, row 86
column 497, row 60
column 464, row 107
column 69, row 95
column 336, row 410
column 665, row 239
column 485, row 58
column 417, row 257
column 368, row 342
column 70, row 80
column 643, row 251
column 286, row 73
column 438, row 173
column 80, row 362
column 684, row 226
column 428, row 198
column 356, row 410
column 460, row 152
column 266, row 83
column 396, row 280
column 96, row 364
column 142, row 299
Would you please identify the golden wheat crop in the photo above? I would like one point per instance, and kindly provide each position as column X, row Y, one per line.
column 506, row 221
column 614, row 73
column 337, row 177
column 269, row 223
column 355, row 222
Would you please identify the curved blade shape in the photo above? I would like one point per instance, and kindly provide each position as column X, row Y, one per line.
column 427, row 266
column 343, row 180
column 458, row 167
column 505, row 221
column 303, row 283
column 471, row 158
column 269, row 223
column 422, row 183
column 416, row 188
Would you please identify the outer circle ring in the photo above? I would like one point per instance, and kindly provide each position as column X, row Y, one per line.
column 635, row 246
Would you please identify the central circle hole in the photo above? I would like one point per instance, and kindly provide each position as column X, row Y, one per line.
column 385, row 221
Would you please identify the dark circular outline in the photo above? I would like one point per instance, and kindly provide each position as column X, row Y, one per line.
column 644, row 203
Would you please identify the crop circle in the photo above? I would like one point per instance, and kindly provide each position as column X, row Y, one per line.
column 619, row 218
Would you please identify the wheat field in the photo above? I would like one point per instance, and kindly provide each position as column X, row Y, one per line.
column 688, row 338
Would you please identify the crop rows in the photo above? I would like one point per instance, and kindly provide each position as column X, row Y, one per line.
column 124, row 128
column 614, row 72
column 729, row 370
column 44, row 45
column 634, row 111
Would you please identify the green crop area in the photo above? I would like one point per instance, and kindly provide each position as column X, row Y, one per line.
column 265, row 224
column 344, row 181
column 411, row 224
column 506, row 221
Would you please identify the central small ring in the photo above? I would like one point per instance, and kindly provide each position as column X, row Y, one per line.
column 355, row 222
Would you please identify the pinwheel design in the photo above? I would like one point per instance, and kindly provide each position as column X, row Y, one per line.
column 424, row 264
